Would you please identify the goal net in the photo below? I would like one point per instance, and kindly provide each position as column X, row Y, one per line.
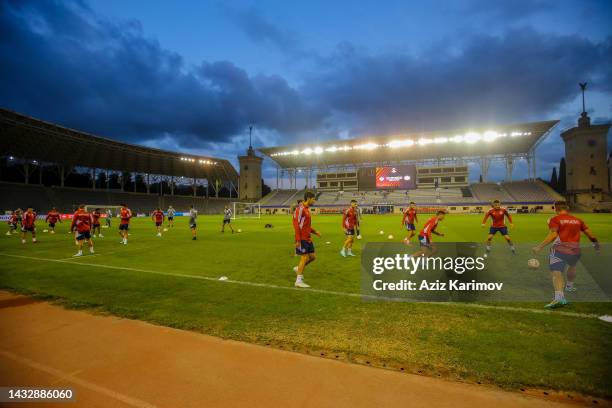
column 246, row 210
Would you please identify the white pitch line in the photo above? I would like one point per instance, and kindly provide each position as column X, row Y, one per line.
column 312, row 290
column 78, row 381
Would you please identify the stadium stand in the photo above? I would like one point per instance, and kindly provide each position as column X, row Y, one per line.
column 487, row 192
column 279, row 197
column 530, row 191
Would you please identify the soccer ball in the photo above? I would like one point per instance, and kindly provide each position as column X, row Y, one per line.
column 165, row 229
column 328, row 243
column 533, row 263
column 381, row 232
column 45, row 230
column 239, row 230
column 390, row 237
column 359, row 236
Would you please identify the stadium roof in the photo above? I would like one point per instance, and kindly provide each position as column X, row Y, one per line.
column 517, row 139
column 28, row 138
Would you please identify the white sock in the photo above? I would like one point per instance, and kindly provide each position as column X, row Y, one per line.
column 300, row 278
column 350, row 250
column 558, row 295
column 569, row 285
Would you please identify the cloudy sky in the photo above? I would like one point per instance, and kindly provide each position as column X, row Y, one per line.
column 192, row 75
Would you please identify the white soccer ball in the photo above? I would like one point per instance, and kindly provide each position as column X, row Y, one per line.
column 533, row 263
column 45, row 230
column 165, row 229
column 239, row 230
column 381, row 232
column 390, row 237
column 359, row 236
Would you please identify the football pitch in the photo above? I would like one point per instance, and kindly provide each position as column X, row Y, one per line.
column 174, row 281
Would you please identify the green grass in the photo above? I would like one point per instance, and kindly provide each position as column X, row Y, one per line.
column 510, row 348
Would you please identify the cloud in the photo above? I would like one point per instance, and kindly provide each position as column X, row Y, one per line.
column 507, row 11
column 63, row 63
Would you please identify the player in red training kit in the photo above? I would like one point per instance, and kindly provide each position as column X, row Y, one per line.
column 13, row 222
column 124, row 215
column 52, row 218
column 426, row 232
column 409, row 219
column 82, row 221
column 498, row 214
column 159, row 217
column 28, row 224
column 564, row 234
column 350, row 222
column 303, row 241
column 96, row 215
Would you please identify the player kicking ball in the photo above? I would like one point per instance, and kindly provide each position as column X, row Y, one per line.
column 498, row 224
column 82, row 222
column 303, row 240
column 193, row 222
column 564, row 233
column 350, row 222
column 52, row 218
column 227, row 219
column 96, row 214
column 125, row 214
column 429, row 229
column 28, row 224
column 409, row 219
column 158, row 217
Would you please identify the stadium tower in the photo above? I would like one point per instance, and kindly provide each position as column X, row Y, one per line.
column 250, row 174
column 586, row 149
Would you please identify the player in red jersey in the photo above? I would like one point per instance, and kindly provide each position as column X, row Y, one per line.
column 350, row 222
column 13, row 221
column 409, row 219
column 564, row 234
column 159, row 217
column 498, row 224
column 303, row 241
column 52, row 218
column 426, row 232
column 125, row 214
column 96, row 215
column 82, row 222
column 28, row 224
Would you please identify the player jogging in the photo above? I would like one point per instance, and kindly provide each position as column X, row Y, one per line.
column 171, row 213
column 426, row 247
column 125, row 214
column 52, row 218
column 193, row 222
column 409, row 219
column 227, row 219
column 564, row 234
column 82, row 222
column 303, row 241
column 109, row 216
column 95, row 215
column 28, row 224
column 498, row 214
column 350, row 221
column 159, row 217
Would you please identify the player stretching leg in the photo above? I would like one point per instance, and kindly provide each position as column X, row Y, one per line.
column 303, row 241
column 28, row 224
column 125, row 215
column 159, row 217
column 349, row 223
column 171, row 213
column 52, row 218
column 193, row 222
column 227, row 219
column 497, row 214
column 95, row 215
column 82, row 221
column 409, row 219
column 426, row 247
column 564, row 233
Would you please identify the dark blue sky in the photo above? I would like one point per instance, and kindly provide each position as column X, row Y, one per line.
column 192, row 75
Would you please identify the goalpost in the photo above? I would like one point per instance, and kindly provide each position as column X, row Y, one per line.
column 246, row 210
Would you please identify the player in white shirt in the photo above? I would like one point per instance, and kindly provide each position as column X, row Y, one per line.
column 227, row 219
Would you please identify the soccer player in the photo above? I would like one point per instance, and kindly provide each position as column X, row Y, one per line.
column 159, row 217
column 498, row 214
column 125, row 215
column 109, row 216
column 409, row 219
column 350, row 222
column 28, row 224
column 303, row 241
column 193, row 218
column 426, row 247
column 171, row 213
column 564, row 234
column 227, row 219
column 52, row 218
column 95, row 215
column 12, row 223
column 82, row 221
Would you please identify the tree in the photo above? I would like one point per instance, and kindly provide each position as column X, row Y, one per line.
column 480, row 179
column 265, row 189
column 562, row 181
column 554, row 183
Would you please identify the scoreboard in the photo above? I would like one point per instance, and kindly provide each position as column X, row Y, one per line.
column 401, row 177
